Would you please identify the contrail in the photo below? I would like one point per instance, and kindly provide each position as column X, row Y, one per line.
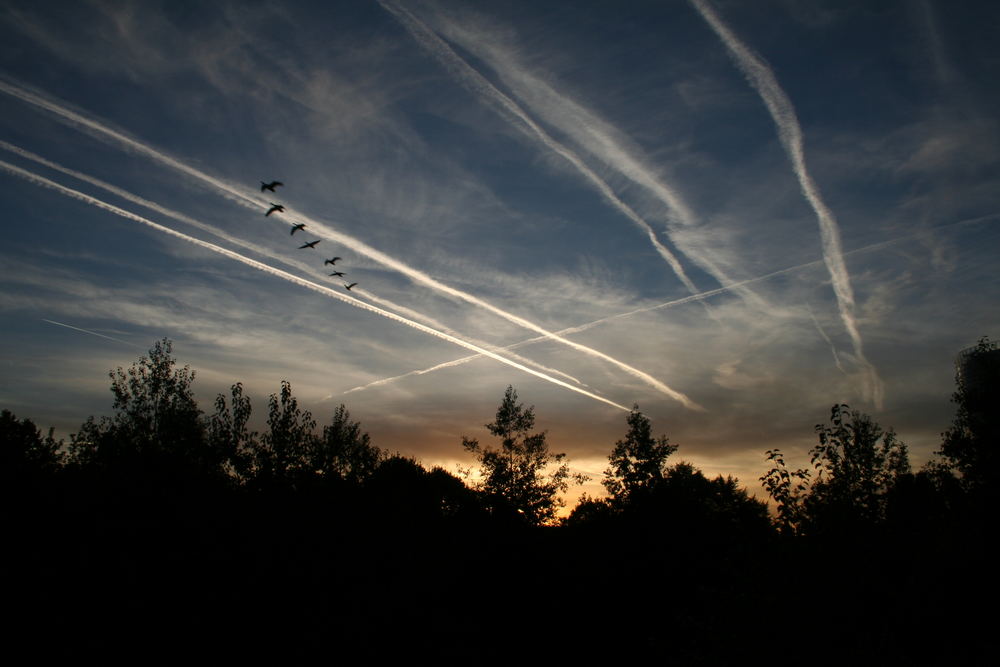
column 176, row 215
column 92, row 333
column 151, row 205
column 429, row 321
column 478, row 84
column 599, row 138
column 321, row 289
column 590, row 325
column 135, row 199
column 762, row 79
column 822, row 332
column 677, row 302
column 250, row 201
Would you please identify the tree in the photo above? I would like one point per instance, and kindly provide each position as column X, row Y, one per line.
column 283, row 449
column 787, row 489
column 969, row 446
column 344, row 450
column 23, row 450
column 156, row 417
column 228, row 433
column 857, row 466
column 514, row 477
column 638, row 462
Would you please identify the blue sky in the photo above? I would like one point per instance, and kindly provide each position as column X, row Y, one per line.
column 743, row 212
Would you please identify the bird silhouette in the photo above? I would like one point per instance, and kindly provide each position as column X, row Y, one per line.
column 349, row 286
column 338, row 273
column 332, row 261
column 274, row 207
column 270, row 186
column 310, row 244
column 297, row 227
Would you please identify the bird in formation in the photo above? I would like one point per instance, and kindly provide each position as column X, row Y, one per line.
column 278, row 208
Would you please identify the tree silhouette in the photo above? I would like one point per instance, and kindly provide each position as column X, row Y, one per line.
column 856, row 467
column 344, row 450
column 23, row 450
column 156, row 418
column 787, row 489
column 283, row 449
column 228, row 433
column 969, row 446
column 637, row 463
column 514, row 477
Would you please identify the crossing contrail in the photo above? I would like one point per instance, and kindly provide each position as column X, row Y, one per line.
column 590, row 325
column 141, row 201
column 151, row 205
column 598, row 137
column 677, row 302
column 321, row 289
column 763, row 80
column 478, row 84
column 302, row 266
column 252, row 201
column 92, row 333
column 431, row 322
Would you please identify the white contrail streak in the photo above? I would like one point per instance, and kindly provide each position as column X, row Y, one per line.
column 701, row 296
column 151, row 205
column 92, row 333
column 762, row 79
column 176, row 215
column 253, row 202
column 822, row 332
column 599, row 138
column 677, row 302
column 135, row 199
column 420, row 317
column 321, row 289
column 479, row 85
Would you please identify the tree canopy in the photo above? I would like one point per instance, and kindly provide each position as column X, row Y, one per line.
column 969, row 446
column 856, row 467
column 637, row 463
column 522, row 477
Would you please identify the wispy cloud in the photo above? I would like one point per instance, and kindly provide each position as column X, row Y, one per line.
column 688, row 299
column 478, row 84
column 251, row 200
column 585, row 127
column 321, row 289
column 762, row 79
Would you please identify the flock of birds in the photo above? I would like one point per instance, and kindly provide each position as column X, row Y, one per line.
column 278, row 208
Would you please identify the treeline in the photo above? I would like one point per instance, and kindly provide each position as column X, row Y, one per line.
column 162, row 530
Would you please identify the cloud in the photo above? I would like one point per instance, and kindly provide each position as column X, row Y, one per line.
column 326, row 291
column 251, row 200
column 477, row 83
column 762, row 79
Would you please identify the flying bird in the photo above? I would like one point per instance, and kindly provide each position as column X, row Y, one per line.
column 270, row 186
column 310, row 244
column 338, row 273
column 349, row 286
column 274, row 207
column 331, row 261
column 297, row 227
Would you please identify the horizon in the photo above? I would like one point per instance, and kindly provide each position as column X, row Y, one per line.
column 738, row 216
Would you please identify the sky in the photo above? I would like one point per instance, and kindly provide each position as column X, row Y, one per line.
column 731, row 214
